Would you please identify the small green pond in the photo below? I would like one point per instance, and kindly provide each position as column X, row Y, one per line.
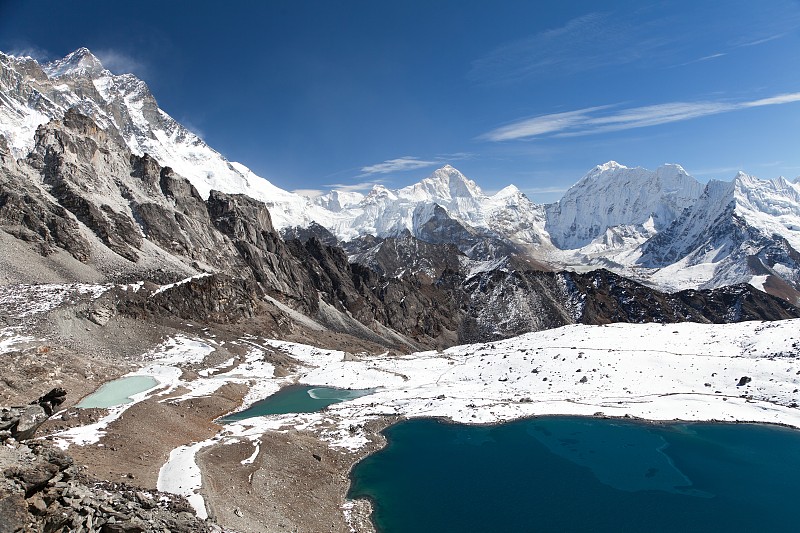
column 118, row 392
column 297, row 399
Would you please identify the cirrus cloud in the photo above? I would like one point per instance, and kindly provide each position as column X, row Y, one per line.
column 399, row 164
column 594, row 120
column 408, row 162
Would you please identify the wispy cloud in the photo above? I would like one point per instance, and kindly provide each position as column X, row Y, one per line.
column 39, row 54
column 355, row 187
column 716, row 171
column 120, row 62
column 649, row 36
column 400, row 164
column 190, row 125
column 542, row 125
column 591, row 41
column 455, row 156
column 545, row 190
column 594, row 120
column 762, row 41
column 406, row 163
column 701, row 59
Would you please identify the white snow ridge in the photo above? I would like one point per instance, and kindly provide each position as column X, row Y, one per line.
column 654, row 226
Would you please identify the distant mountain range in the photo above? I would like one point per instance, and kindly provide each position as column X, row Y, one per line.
column 91, row 165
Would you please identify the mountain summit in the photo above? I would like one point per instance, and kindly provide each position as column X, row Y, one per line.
column 443, row 186
column 653, row 225
column 81, row 62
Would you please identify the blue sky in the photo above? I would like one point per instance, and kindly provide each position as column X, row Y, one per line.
column 313, row 95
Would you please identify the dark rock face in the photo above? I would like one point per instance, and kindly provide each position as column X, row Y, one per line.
column 218, row 298
column 418, row 310
column 26, row 214
column 114, row 229
column 21, row 423
column 396, row 256
column 736, row 303
column 610, row 298
column 313, row 230
column 248, row 225
column 506, row 302
column 440, row 228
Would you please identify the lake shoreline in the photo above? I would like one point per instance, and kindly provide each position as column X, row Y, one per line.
column 612, row 372
column 370, row 503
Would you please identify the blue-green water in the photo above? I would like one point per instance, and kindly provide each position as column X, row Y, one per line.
column 297, row 399
column 563, row 474
column 118, row 392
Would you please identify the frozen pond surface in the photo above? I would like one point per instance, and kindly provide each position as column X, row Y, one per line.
column 118, row 392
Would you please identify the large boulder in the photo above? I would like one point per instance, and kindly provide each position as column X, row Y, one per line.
column 22, row 422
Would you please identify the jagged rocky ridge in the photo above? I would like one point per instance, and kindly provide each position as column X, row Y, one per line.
column 81, row 192
column 629, row 220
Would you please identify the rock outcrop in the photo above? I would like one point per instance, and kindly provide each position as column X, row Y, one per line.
column 20, row 423
column 42, row 490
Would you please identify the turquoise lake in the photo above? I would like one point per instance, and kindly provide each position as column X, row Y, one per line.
column 297, row 399
column 118, row 392
column 563, row 474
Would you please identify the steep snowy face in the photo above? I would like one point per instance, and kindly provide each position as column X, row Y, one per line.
column 123, row 105
column 513, row 214
column 727, row 217
column 612, row 195
column 736, row 232
column 450, row 189
column 703, row 230
column 23, row 106
column 770, row 206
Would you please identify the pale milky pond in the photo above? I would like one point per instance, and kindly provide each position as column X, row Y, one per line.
column 118, row 392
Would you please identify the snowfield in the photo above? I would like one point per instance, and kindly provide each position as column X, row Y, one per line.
column 652, row 371
column 746, row 372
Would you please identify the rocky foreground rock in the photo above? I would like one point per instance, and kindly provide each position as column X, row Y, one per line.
column 42, row 490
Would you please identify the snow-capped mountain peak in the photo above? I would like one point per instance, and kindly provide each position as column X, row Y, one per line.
column 611, row 195
column 603, row 219
column 610, row 165
column 772, row 206
column 337, row 201
column 507, row 192
column 442, row 186
column 380, row 191
column 125, row 108
column 81, row 62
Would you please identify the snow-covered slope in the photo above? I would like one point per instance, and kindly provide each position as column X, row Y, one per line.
column 635, row 201
column 443, row 207
column 658, row 226
column 736, row 230
column 652, row 371
column 32, row 94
